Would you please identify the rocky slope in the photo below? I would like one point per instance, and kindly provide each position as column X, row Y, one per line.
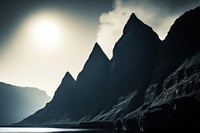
column 91, row 84
column 16, row 103
column 180, row 44
column 131, row 68
column 177, row 108
column 56, row 110
column 74, row 100
column 144, row 73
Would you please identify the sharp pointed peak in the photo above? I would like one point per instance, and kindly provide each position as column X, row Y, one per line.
column 133, row 23
column 97, row 50
column 97, row 46
column 68, row 75
column 134, row 17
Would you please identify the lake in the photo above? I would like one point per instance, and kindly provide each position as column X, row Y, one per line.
column 52, row 130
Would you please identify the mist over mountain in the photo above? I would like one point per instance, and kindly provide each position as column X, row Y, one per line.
column 144, row 76
column 16, row 103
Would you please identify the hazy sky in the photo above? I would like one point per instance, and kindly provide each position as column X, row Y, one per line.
column 40, row 40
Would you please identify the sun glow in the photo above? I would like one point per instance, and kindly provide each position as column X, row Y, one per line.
column 46, row 31
column 43, row 47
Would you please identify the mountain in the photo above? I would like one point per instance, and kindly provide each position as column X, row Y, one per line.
column 56, row 109
column 134, row 57
column 181, row 43
column 19, row 102
column 64, row 93
column 172, row 100
column 72, row 96
column 91, row 83
column 148, row 81
column 177, row 107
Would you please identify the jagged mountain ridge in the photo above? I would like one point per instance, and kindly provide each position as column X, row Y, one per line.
column 139, row 62
column 131, row 67
column 166, row 64
column 181, row 43
column 73, row 96
column 92, row 81
column 19, row 102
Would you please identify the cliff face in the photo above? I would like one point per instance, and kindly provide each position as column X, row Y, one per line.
column 56, row 110
column 92, row 83
column 143, row 74
column 176, row 108
column 151, row 82
column 172, row 100
column 134, row 57
column 182, row 82
column 181, row 43
column 64, row 94
column 16, row 103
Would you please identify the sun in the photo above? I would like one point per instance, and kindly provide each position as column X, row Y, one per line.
column 46, row 32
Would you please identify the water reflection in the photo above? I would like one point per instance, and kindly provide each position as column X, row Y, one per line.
column 46, row 130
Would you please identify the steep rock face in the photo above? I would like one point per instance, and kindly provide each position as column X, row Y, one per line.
column 175, row 68
column 16, row 103
column 135, row 79
column 57, row 109
column 64, row 95
column 182, row 82
column 92, row 83
column 177, row 108
column 74, row 100
column 134, row 58
column 172, row 102
column 181, row 42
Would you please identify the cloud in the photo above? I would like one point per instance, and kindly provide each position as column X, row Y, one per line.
column 158, row 14
column 111, row 26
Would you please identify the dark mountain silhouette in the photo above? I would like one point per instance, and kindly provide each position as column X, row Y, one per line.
column 16, row 103
column 72, row 96
column 181, row 43
column 177, row 107
column 64, row 94
column 134, row 57
column 166, row 63
column 92, row 82
column 57, row 109
column 146, row 77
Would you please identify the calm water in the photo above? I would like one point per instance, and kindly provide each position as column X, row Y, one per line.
column 51, row 130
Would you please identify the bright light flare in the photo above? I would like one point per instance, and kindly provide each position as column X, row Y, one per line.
column 46, row 31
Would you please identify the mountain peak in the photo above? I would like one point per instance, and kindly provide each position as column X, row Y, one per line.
column 97, row 51
column 132, row 23
column 64, row 88
column 68, row 74
column 97, row 47
column 68, row 77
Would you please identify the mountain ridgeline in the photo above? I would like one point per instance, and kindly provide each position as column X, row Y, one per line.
column 17, row 103
column 132, row 81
